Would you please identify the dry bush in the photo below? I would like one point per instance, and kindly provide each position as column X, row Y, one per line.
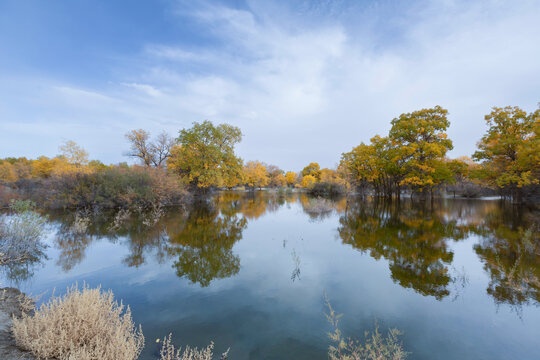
column 82, row 324
column 21, row 234
column 169, row 352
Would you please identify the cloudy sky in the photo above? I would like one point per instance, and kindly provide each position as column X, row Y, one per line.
column 304, row 80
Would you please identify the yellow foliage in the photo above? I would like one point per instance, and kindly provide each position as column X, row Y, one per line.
column 7, row 172
column 256, row 174
column 43, row 167
column 280, row 180
column 73, row 153
column 308, row 181
column 290, row 177
column 312, row 169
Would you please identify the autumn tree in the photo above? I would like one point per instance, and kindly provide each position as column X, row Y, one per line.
column 72, row 159
column 256, row 174
column 44, row 167
column 290, row 178
column 308, row 181
column 150, row 153
column 312, row 169
column 379, row 165
column 7, row 173
column 360, row 166
column 412, row 155
column 73, row 153
column 421, row 139
column 510, row 150
column 204, row 156
column 276, row 177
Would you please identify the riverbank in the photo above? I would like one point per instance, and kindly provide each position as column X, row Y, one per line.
column 10, row 305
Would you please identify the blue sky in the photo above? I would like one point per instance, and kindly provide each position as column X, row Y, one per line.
column 305, row 80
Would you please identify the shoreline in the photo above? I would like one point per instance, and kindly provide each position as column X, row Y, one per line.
column 10, row 305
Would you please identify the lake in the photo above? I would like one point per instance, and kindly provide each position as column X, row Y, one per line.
column 460, row 278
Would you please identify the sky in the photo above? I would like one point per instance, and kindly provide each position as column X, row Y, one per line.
column 304, row 80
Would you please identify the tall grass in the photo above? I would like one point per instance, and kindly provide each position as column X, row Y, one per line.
column 169, row 352
column 374, row 346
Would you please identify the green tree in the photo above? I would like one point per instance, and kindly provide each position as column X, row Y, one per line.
column 205, row 155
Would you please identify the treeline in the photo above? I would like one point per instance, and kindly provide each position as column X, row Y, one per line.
column 70, row 180
column 411, row 158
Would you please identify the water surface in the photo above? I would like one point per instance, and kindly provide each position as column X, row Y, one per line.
column 460, row 278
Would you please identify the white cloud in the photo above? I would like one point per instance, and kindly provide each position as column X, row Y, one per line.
column 306, row 90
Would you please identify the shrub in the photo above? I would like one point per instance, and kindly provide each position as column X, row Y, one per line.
column 7, row 194
column 21, row 233
column 327, row 189
column 116, row 187
column 83, row 324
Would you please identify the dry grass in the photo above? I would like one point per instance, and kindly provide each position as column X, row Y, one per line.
column 375, row 346
column 83, row 324
column 169, row 352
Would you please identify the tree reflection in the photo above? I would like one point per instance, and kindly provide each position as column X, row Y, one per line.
column 412, row 237
column 203, row 246
column 415, row 238
column 510, row 251
column 318, row 208
column 17, row 273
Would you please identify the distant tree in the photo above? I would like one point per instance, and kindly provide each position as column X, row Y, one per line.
column 276, row 177
column 204, row 156
column 150, row 153
column 308, row 181
column 43, row 167
column 312, row 169
column 256, row 174
column 7, row 173
column 73, row 153
column 290, row 178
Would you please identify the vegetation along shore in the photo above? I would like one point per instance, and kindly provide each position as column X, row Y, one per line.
column 411, row 159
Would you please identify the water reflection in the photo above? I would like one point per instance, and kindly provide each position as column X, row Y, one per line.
column 416, row 239
column 202, row 246
column 17, row 273
column 510, row 251
column 411, row 236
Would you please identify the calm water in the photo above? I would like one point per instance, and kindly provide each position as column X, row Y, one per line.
column 460, row 278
